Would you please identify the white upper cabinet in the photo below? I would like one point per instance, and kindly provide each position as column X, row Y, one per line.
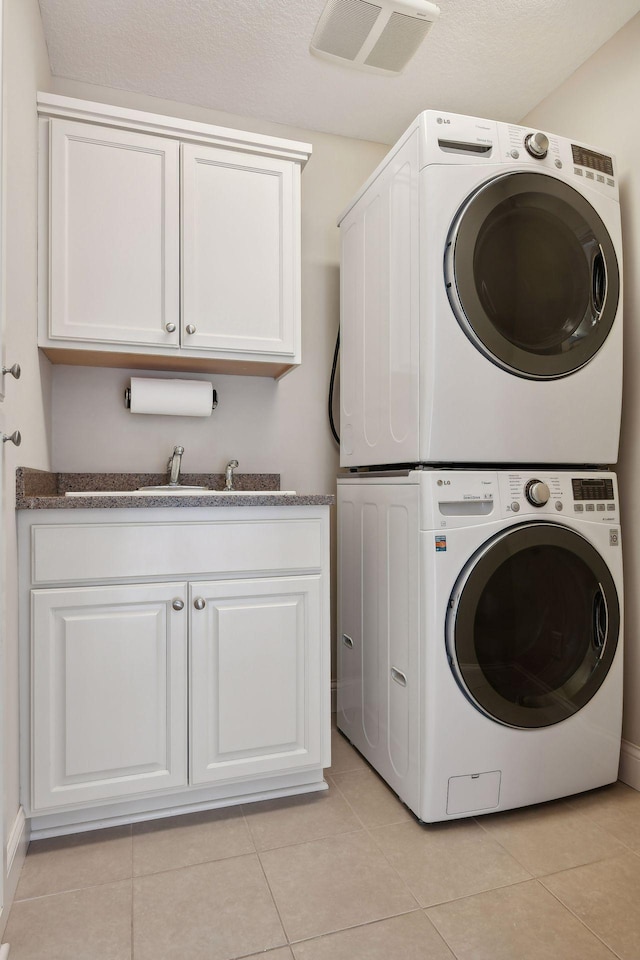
column 114, row 235
column 240, row 246
column 167, row 244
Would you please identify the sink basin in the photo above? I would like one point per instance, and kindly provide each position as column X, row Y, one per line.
column 173, row 488
column 179, row 492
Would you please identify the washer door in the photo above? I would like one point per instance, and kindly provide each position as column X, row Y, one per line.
column 533, row 625
column 532, row 275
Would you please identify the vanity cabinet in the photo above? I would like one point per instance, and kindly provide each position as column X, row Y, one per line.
column 109, row 669
column 167, row 244
column 179, row 661
column 254, row 705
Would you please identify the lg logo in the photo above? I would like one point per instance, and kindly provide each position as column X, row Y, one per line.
column 444, row 483
column 442, row 120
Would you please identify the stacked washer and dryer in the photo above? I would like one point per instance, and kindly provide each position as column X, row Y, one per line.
column 480, row 571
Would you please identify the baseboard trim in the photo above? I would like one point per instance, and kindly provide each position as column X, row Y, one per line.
column 629, row 771
column 17, row 843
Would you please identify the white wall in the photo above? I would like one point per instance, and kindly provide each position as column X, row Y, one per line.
column 598, row 104
column 28, row 400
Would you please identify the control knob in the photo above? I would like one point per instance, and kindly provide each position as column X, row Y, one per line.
column 537, row 493
column 537, row 144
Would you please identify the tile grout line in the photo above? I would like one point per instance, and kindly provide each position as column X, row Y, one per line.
column 274, row 901
column 131, row 929
column 266, row 879
column 536, row 876
column 613, row 952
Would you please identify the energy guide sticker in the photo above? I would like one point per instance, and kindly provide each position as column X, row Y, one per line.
column 441, row 544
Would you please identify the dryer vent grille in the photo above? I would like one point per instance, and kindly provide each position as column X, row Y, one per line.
column 379, row 37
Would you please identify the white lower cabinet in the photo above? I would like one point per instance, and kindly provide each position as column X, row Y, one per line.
column 255, row 651
column 203, row 691
column 109, row 692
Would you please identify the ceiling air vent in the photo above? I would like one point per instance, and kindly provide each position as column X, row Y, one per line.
column 380, row 37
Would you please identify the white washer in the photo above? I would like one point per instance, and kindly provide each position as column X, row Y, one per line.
column 481, row 293
column 480, row 650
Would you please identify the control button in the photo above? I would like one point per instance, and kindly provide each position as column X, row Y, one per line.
column 578, row 507
column 600, row 178
column 515, row 154
column 537, row 493
column 591, row 507
column 610, row 182
column 558, row 163
column 515, row 506
column 590, row 175
column 600, row 506
column 611, row 506
column 559, row 505
column 578, row 172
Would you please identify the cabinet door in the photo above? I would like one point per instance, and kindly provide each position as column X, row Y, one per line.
column 255, row 677
column 109, row 692
column 114, row 235
column 241, row 252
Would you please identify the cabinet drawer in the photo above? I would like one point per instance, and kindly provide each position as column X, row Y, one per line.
column 63, row 553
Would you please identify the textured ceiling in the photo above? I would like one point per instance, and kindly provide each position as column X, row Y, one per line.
column 489, row 58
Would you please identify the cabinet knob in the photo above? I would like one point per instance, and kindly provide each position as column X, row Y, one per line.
column 170, row 327
column 199, row 603
column 15, row 437
column 14, row 370
column 190, row 328
column 178, row 604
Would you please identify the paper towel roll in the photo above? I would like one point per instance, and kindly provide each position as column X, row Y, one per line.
column 177, row 398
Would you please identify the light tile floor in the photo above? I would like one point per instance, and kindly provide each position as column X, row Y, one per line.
column 344, row 875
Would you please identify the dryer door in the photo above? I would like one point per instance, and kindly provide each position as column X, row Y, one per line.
column 533, row 625
column 532, row 275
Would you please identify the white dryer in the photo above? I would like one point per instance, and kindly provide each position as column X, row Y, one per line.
column 480, row 651
column 481, row 317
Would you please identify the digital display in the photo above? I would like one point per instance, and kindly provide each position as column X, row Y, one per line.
column 599, row 489
column 591, row 159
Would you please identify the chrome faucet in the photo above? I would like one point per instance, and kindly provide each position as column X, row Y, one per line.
column 228, row 474
column 174, row 466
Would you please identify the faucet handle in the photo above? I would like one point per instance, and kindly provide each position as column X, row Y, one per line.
column 178, row 451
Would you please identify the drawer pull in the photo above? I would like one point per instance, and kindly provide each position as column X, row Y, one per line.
column 190, row 328
column 199, row 603
column 178, row 604
column 15, row 437
column 398, row 676
column 348, row 642
column 170, row 327
column 14, row 370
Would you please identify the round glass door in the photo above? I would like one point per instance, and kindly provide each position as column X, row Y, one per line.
column 533, row 625
column 532, row 275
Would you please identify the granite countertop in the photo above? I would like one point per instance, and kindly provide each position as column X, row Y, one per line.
column 42, row 490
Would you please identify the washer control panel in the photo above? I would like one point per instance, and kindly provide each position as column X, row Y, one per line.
column 589, row 496
column 463, row 498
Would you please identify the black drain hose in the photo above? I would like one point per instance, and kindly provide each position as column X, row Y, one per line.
column 336, row 436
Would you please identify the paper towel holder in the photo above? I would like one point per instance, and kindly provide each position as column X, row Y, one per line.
column 127, row 398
